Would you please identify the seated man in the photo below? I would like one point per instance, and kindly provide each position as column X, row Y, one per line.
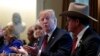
column 57, row 42
column 86, row 41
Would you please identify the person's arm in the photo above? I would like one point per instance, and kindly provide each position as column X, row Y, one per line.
column 31, row 50
column 17, row 43
column 21, row 50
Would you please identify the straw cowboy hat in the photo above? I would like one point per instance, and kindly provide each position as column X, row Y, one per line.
column 78, row 10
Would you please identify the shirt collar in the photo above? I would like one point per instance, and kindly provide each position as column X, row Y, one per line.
column 82, row 32
column 50, row 33
column 80, row 35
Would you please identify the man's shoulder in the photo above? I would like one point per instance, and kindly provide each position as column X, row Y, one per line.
column 61, row 31
column 17, row 41
column 91, row 36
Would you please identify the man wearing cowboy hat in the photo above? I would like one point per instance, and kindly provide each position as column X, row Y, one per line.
column 87, row 40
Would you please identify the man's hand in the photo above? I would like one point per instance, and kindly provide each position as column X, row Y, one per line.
column 14, row 49
column 3, row 54
column 31, row 50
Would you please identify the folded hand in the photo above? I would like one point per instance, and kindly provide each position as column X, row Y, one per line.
column 31, row 50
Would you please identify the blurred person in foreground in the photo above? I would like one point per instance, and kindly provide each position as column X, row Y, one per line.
column 38, row 35
column 35, row 33
column 85, row 40
column 10, row 40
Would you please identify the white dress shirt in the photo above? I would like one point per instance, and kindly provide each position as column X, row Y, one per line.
column 80, row 35
column 50, row 33
column 49, row 36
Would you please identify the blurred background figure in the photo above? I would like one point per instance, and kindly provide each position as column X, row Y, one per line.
column 35, row 34
column 18, row 24
column 1, row 39
column 30, row 36
column 1, row 30
column 10, row 40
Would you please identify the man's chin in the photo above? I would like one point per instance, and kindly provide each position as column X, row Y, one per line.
column 69, row 30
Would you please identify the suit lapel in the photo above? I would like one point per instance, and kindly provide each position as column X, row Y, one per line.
column 40, row 41
column 53, row 39
column 82, row 39
column 85, row 36
column 87, row 33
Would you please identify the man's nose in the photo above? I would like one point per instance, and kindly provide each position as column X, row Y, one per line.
column 45, row 20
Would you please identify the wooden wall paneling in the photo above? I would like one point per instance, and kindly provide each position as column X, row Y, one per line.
column 65, row 8
column 99, row 15
column 94, row 13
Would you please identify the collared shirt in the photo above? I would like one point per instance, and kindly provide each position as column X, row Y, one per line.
column 49, row 36
column 50, row 33
column 80, row 35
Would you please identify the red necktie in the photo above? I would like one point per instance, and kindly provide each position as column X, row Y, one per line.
column 45, row 41
column 74, row 44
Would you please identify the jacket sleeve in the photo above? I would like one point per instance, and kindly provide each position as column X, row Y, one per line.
column 17, row 43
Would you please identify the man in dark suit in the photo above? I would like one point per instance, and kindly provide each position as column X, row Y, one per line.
column 98, row 54
column 87, row 40
column 59, row 41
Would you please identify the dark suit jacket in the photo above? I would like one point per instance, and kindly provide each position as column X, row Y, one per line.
column 98, row 53
column 59, row 44
column 89, row 44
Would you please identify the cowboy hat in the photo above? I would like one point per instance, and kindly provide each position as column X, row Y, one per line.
column 78, row 10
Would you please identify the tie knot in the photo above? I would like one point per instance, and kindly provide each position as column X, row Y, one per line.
column 46, row 35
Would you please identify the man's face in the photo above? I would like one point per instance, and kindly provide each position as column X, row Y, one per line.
column 46, row 21
column 71, row 24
